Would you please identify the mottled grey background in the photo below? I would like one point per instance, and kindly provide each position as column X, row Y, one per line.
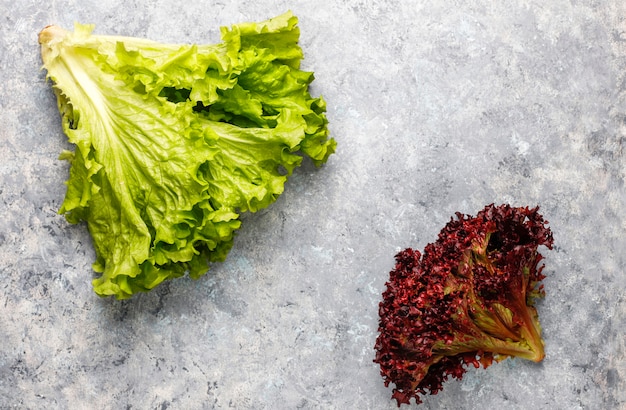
column 438, row 107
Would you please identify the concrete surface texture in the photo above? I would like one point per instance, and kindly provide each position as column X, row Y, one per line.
column 437, row 107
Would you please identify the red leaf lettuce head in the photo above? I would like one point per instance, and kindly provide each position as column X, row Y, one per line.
column 468, row 300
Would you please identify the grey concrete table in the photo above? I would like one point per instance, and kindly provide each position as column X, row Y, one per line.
column 437, row 107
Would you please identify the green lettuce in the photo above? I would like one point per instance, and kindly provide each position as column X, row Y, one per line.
column 174, row 142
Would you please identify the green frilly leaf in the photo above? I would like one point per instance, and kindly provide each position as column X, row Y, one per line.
column 173, row 142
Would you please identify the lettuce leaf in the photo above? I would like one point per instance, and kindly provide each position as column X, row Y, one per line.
column 174, row 142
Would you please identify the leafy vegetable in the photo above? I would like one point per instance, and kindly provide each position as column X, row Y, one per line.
column 173, row 142
column 468, row 300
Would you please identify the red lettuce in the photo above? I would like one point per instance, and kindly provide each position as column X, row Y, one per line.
column 468, row 300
